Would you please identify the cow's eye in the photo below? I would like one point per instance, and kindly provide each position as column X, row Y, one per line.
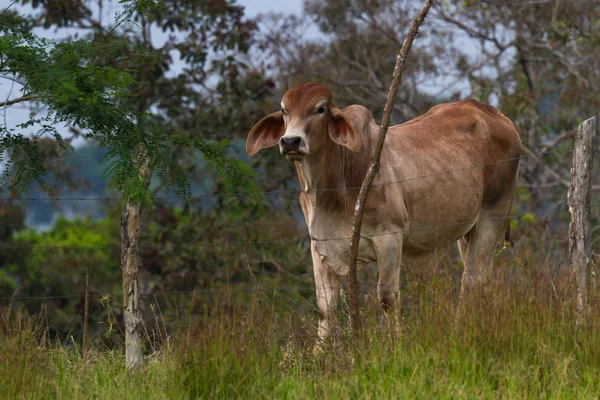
column 321, row 110
column 283, row 111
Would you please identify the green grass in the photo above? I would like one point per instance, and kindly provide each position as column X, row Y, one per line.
column 518, row 341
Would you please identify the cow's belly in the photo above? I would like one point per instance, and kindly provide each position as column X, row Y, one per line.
column 440, row 210
column 442, row 225
column 427, row 238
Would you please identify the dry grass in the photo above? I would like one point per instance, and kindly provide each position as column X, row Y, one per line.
column 517, row 341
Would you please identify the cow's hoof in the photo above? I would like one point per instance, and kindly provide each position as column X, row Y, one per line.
column 318, row 348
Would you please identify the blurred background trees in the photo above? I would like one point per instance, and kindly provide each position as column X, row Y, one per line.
column 202, row 69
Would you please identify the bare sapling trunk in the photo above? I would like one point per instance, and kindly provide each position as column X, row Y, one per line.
column 86, row 310
column 131, row 221
column 579, row 199
column 375, row 164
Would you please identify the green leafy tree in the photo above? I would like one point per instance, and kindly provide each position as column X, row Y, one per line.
column 12, row 220
column 79, row 247
column 113, row 87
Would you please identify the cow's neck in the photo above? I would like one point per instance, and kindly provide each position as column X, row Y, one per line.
column 332, row 177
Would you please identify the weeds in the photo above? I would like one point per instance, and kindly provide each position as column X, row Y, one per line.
column 516, row 340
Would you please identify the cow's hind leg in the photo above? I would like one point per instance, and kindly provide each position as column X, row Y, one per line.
column 477, row 252
column 388, row 250
column 463, row 244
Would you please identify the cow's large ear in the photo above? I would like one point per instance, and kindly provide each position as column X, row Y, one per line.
column 266, row 133
column 341, row 130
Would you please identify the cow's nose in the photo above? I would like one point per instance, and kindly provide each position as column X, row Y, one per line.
column 290, row 143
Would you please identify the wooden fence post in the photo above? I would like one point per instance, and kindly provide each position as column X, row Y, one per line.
column 579, row 199
column 131, row 221
column 86, row 310
column 374, row 167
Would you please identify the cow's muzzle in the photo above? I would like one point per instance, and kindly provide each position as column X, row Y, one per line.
column 292, row 147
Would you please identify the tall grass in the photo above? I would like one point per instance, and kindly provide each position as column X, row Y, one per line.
column 517, row 340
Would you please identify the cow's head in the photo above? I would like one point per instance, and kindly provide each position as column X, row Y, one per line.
column 306, row 121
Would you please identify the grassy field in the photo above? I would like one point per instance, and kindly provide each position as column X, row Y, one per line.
column 518, row 341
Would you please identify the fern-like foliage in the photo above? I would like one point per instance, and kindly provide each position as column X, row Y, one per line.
column 77, row 90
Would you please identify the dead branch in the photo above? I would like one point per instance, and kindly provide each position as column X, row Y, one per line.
column 17, row 100
column 375, row 164
column 9, row 6
column 285, row 272
column 559, row 178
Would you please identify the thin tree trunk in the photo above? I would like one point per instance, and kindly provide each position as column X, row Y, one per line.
column 131, row 221
column 86, row 310
column 579, row 199
column 374, row 167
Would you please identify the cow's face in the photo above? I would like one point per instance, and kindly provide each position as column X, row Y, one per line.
column 306, row 121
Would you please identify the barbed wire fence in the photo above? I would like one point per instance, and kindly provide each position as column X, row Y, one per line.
column 256, row 287
column 286, row 241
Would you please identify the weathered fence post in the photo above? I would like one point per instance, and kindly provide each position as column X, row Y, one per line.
column 579, row 198
column 131, row 221
column 374, row 167
column 86, row 310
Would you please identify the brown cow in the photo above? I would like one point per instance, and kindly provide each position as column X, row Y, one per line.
column 448, row 175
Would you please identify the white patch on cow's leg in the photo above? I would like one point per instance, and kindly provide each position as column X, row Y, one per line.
column 463, row 245
column 327, row 284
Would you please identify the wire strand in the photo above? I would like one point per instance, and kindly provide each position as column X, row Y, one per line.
column 267, row 242
column 297, row 191
column 252, row 288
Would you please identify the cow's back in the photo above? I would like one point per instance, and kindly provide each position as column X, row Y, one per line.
column 449, row 164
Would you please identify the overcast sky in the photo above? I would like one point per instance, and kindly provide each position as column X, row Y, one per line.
column 254, row 7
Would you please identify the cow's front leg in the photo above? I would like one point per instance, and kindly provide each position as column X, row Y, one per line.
column 327, row 284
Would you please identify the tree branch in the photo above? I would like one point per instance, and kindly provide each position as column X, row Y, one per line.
column 13, row 177
column 558, row 140
column 559, row 178
column 9, row 6
column 18, row 100
column 472, row 32
column 283, row 271
column 375, row 164
column 549, row 170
